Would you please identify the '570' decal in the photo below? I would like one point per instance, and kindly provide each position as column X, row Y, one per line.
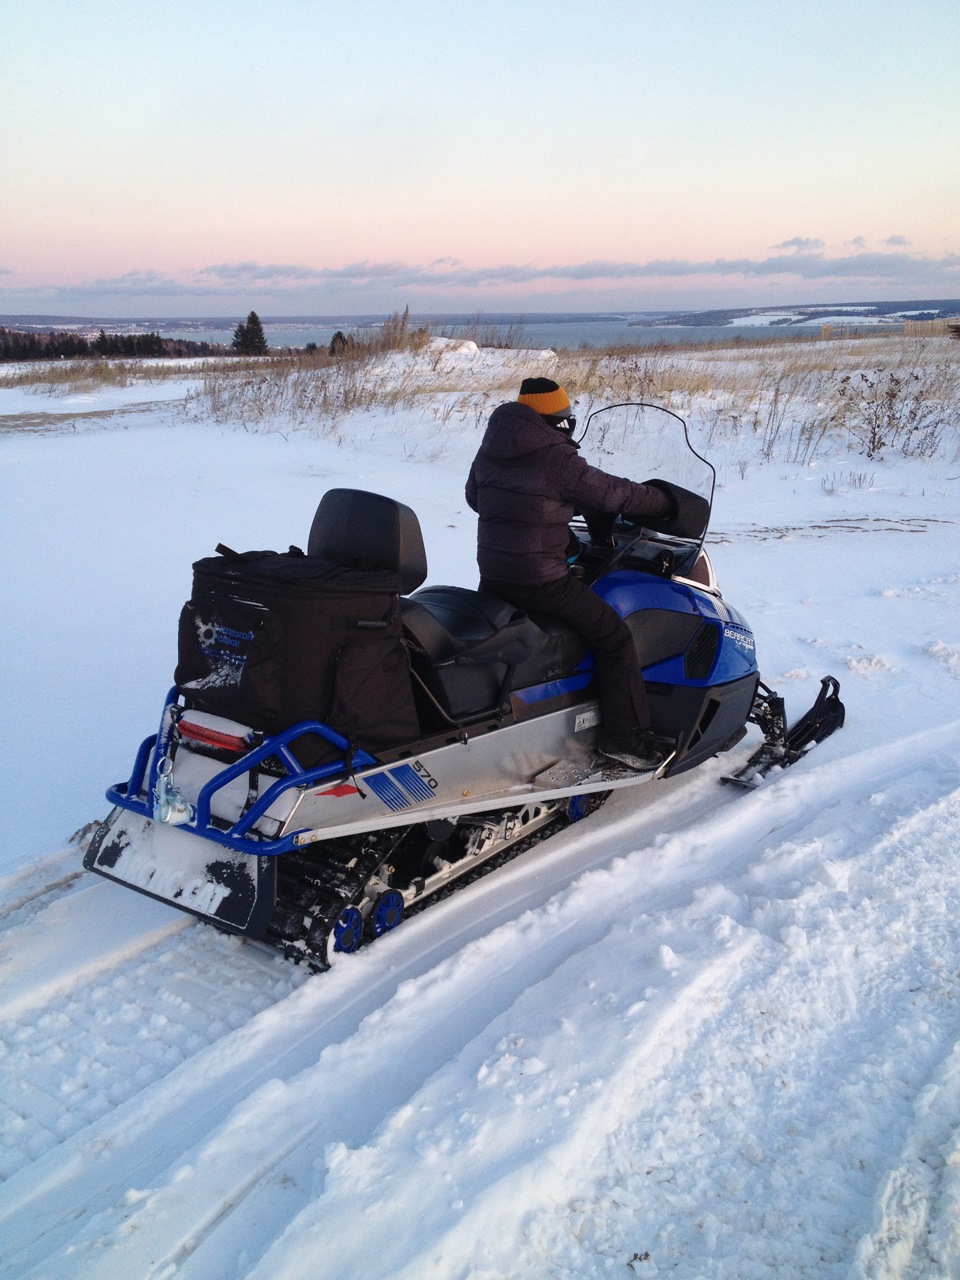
column 403, row 785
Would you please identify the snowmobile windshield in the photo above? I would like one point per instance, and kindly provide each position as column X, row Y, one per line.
column 654, row 445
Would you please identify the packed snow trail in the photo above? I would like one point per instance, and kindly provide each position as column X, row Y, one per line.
column 705, row 1028
column 280, row 1042
column 417, row 1051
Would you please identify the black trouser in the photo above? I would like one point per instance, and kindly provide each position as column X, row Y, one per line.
column 623, row 699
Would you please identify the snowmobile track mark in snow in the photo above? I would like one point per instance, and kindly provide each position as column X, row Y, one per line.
column 826, row 528
column 35, row 898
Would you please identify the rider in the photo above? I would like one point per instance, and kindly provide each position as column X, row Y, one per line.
column 526, row 482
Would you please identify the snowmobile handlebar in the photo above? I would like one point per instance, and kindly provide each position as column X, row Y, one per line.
column 689, row 512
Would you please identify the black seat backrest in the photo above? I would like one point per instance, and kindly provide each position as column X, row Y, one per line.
column 361, row 530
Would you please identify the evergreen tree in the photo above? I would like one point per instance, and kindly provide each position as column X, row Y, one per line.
column 256, row 338
column 249, row 339
column 58, row 345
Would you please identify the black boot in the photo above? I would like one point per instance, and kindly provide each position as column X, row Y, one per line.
column 639, row 752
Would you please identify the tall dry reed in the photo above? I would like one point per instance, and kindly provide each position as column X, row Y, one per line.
column 790, row 400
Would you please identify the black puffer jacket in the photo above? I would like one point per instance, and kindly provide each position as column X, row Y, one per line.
column 525, row 483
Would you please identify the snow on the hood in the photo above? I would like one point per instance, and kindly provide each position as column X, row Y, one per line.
column 713, row 1034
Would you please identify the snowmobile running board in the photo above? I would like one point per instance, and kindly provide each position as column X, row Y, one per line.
column 149, row 794
column 782, row 746
column 327, row 897
column 338, row 882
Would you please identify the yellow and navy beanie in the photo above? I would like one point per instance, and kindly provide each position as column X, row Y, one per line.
column 546, row 396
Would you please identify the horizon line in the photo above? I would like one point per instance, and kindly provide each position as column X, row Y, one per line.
column 492, row 316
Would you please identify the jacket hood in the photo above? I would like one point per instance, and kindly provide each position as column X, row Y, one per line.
column 515, row 430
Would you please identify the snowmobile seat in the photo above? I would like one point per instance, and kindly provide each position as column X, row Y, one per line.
column 470, row 649
column 360, row 530
column 465, row 645
column 454, row 623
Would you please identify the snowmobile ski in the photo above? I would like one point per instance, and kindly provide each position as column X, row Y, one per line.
column 783, row 746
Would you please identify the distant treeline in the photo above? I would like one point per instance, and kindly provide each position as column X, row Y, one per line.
column 55, row 345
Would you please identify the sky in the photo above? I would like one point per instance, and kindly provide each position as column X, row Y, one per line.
column 316, row 157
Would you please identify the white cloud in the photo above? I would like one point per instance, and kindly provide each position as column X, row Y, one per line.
column 800, row 243
column 448, row 273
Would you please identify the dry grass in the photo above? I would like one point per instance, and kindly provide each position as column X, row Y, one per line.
column 890, row 392
column 71, row 377
column 300, row 393
column 789, row 398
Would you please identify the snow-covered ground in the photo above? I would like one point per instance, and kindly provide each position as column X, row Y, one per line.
column 845, row 314
column 702, row 1034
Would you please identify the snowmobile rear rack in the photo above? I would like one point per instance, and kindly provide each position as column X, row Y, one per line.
column 143, row 793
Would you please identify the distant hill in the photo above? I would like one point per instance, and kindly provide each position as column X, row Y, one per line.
column 819, row 313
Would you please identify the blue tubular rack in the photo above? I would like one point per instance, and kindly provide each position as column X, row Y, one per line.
column 137, row 798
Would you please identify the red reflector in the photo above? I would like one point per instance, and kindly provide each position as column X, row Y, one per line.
column 207, row 737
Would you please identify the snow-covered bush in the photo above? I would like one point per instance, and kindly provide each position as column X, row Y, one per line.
column 904, row 409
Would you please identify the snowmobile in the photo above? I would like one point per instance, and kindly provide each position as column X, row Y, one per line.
column 343, row 744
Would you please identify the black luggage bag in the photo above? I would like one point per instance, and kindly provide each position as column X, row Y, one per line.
column 271, row 639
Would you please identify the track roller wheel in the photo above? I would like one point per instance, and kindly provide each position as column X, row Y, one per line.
column 347, row 933
column 577, row 807
column 386, row 913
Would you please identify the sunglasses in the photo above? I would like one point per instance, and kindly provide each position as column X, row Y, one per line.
column 566, row 423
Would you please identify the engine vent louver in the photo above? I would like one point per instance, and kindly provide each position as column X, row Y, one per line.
column 701, row 653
